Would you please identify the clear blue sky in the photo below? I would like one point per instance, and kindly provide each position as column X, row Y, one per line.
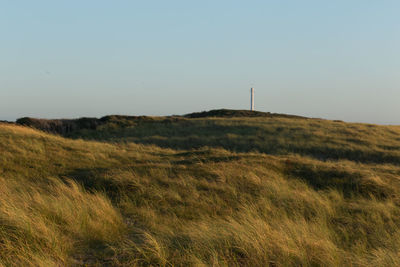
column 332, row 59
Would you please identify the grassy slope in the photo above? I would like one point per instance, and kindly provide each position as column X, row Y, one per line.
column 75, row 202
column 316, row 138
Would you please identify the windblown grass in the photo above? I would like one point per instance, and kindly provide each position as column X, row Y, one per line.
column 87, row 203
column 321, row 139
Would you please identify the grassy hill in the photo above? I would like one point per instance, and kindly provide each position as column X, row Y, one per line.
column 199, row 190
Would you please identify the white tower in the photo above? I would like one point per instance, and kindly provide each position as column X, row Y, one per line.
column 252, row 99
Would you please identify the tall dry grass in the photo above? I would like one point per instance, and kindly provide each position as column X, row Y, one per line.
column 83, row 203
column 53, row 224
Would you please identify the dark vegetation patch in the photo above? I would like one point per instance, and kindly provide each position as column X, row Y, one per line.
column 68, row 126
column 232, row 113
column 62, row 126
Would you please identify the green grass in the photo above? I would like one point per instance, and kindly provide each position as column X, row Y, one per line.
column 202, row 192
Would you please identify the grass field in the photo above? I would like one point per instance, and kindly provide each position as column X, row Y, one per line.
column 207, row 191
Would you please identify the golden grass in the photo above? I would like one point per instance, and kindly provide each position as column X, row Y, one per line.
column 85, row 203
column 44, row 226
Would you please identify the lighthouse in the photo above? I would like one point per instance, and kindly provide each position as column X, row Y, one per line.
column 252, row 99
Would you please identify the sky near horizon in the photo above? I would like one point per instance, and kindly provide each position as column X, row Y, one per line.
column 330, row 59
